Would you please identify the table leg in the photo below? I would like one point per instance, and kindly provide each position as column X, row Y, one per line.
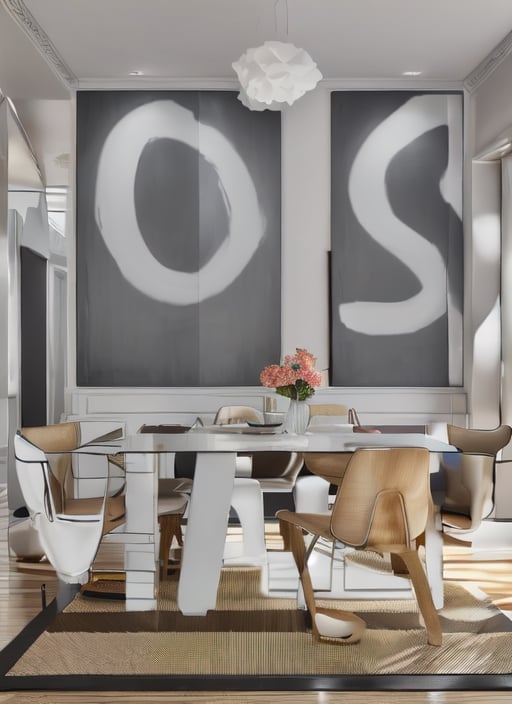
column 140, row 532
column 205, row 534
column 247, row 501
column 434, row 556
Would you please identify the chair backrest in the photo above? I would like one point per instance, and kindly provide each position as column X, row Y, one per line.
column 469, row 488
column 30, row 461
column 54, row 438
column 265, row 465
column 327, row 409
column 277, row 465
column 331, row 466
column 384, row 497
column 227, row 415
column 69, row 545
column 58, row 438
column 473, row 440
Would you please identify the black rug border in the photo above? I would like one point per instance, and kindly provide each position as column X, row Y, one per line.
column 215, row 683
column 243, row 683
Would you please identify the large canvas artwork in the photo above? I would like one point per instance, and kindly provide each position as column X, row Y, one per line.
column 397, row 248
column 178, row 239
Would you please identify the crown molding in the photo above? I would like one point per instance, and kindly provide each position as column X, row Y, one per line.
column 24, row 19
column 399, row 83
column 157, row 83
column 195, row 83
column 489, row 64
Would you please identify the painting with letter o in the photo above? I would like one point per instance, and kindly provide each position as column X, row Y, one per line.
column 178, row 239
column 397, row 244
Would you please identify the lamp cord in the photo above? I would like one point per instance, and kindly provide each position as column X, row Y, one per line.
column 276, row 3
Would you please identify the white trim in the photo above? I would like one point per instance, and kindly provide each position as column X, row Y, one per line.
column 182, row 405
column 491, row 62
column 227, row 83
column 26, row 21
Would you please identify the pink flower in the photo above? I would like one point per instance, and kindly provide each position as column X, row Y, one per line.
column 296, row 377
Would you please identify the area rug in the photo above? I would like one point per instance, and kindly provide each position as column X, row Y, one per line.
column 250, row 636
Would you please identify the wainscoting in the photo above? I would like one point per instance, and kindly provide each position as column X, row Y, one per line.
column 382, row 406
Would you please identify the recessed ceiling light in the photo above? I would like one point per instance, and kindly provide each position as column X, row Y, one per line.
column 136, row 73
column 411, row 73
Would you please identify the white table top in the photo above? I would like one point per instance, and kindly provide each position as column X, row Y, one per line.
column 209, row 440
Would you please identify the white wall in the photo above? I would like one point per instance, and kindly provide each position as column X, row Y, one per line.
column 489, row 117
column 306, row 198
column 492, row 106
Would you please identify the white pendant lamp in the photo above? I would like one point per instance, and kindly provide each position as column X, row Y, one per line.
column 275, row 74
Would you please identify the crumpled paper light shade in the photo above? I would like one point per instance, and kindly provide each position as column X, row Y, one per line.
column 274, row 74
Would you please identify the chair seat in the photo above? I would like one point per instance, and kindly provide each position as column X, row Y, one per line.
column 168, row 487
column 277, row 484
column 456, row 520
column 315, row 523
column 114, row 507
column 171, row 504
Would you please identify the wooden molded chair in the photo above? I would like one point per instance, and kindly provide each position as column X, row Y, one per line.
column 171, row 506
column 312, row 492
column 382, row 505
column 329, row 411
column 474, row 440
column 228, row 415
column 469, row 477
column 275, row 471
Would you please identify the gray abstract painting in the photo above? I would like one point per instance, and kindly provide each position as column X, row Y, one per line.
column 397, row 248
column 178, row 239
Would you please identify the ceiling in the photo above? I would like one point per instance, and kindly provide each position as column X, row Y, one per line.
column 50, row 47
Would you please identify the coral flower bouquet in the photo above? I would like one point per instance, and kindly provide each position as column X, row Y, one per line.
column 295, row 378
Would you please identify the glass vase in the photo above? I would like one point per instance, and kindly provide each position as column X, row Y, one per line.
column 297, row 418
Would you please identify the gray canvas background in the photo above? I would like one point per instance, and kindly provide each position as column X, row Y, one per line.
column 363, row 270
column 126, row 338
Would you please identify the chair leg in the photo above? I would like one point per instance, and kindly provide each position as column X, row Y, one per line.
column 423, row 594
column 170, row 527
column 340, row 626
column 284, row 530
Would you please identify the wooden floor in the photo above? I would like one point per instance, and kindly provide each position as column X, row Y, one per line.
column 20, row 601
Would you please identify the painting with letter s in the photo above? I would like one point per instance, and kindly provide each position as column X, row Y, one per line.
column 178, row 239
column 397, row 244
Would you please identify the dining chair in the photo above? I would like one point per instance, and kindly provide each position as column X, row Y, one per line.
column 469, row 476
column 171, row 505
column 228, row 415
column 70, row 529
column 84, row 479
column 381, row 506
column 172, row 500
column 327, row 413
column 275, row 472
column 311, row 492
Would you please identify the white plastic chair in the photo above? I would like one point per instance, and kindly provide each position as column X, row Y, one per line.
column 70, row 530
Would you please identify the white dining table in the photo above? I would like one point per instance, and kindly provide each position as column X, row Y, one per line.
column 217, row 448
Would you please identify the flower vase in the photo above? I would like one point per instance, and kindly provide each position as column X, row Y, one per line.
column 297, row 418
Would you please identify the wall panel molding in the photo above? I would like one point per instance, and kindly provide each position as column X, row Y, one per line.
column 383, row 406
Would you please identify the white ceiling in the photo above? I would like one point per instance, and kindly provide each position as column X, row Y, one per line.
column 48, row 47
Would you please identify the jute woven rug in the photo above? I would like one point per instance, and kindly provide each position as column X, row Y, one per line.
column 250, row 634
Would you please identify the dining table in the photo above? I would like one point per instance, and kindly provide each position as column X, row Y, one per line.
column 216, row 449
